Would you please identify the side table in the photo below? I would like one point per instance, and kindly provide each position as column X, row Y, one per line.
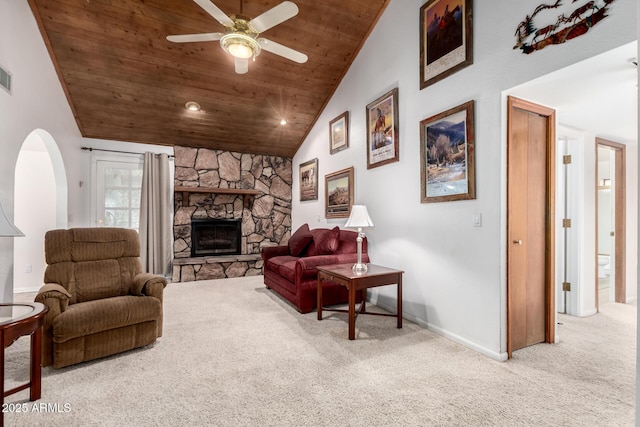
column 375, row 276
column 16, row 320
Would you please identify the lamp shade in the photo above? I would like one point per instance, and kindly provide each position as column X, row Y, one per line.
column 359, row 217
column 7, row 229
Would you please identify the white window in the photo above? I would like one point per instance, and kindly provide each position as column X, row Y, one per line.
column 117, row 192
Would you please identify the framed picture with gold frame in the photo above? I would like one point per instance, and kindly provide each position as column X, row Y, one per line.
column 339, row 133
column 338, row 193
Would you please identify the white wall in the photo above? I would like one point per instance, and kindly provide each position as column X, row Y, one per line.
column 637, row 207
column 455, row 275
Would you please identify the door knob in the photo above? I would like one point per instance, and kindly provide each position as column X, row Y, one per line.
column 611, row 233
column 517, row 242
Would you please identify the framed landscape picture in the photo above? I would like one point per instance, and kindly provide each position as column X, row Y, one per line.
column 338, row 193
column 309, row 180
column 447, row 155
column 446, row 39
column 382, row 130
column 339, row 133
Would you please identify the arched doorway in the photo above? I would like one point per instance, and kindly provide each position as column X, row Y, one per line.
column 40, row 205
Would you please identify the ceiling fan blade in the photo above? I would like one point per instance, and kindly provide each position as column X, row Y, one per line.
column 274, row 16
column 188, row 38
column 282, row 50
column 242, row 65
column 214, row 11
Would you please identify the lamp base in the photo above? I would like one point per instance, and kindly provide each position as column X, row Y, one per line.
column 359, row 268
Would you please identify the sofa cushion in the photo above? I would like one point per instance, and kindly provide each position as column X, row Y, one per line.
column 91, row 317
column 285, row 266
column 329, row 241
column 319, row 234
column 299, row 240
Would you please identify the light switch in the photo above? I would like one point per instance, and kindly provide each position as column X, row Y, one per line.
column 477, row 219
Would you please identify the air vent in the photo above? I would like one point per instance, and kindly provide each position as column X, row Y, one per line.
column 5, row 80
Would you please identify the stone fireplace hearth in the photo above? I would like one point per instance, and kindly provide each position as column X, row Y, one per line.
column 254, row 190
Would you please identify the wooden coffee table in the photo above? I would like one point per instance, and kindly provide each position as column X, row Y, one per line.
column 375, row 276
column 16, row 320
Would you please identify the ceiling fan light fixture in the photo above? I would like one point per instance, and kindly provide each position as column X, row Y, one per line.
column 240, row 45
column 242, row 39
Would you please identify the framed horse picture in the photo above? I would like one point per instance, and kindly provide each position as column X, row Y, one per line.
column 309, row 180
column 382, row 130
column 446, row 39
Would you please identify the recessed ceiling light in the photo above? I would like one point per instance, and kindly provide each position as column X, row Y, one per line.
column 192, row 106
column 283, row 122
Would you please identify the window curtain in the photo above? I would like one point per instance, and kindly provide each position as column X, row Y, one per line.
column 155, row 215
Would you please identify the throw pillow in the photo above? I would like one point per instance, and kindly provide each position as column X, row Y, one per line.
column 330, row 241
column 299, row 240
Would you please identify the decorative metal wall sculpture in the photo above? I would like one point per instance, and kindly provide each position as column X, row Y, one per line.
column 561, row 23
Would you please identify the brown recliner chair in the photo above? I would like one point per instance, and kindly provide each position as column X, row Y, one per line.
column 99, row 301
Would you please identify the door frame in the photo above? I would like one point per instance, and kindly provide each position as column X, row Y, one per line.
column 620, row 228
column 550, row 313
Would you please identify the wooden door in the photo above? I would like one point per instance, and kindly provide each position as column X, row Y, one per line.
column 620, row 231
column 530, row 212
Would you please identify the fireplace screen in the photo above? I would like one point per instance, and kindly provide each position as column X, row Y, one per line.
column 215, row 237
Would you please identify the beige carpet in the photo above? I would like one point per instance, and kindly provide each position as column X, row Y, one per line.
column 234, row 354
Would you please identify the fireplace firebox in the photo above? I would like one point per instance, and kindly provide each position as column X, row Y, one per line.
column 215, row 237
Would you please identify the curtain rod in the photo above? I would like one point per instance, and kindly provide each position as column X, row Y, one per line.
column 171, row 156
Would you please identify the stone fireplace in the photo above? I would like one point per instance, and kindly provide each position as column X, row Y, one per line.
column 253, row 191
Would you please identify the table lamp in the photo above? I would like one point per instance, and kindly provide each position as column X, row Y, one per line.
column 359, row 219
column 7, row 229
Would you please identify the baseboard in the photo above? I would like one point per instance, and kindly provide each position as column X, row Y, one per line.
column 25, row 291
column 588, row 313
column 501, row 357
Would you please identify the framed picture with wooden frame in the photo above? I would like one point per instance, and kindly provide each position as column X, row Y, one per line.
column 309, row 180
column 447, row 155
column 339, row 133
column 382, row 130
column 338, row 193
column 446, row 39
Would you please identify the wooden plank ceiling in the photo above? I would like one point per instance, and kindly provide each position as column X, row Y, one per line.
column 125, row 81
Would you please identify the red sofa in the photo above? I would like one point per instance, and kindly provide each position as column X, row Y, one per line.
column 291, row 270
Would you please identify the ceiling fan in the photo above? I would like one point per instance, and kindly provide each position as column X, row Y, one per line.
column 241, row 39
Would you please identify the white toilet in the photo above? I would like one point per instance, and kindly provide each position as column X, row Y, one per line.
column 604, row 266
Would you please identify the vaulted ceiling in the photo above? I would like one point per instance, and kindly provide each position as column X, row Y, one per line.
column 125, row 81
